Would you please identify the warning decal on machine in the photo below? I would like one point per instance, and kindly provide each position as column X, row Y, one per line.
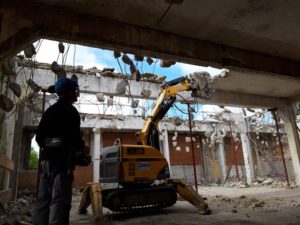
column 144, row 166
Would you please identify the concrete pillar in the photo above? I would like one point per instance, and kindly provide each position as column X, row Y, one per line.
column 222, row 159
column 97, row 145
column 287, row 114
column 166, row 149
column 249, row 166
column 247, row 158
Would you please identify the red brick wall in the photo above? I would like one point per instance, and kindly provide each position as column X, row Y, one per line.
column 82, row 175
column 230, row 152
column 110, row 137
column 183, row 157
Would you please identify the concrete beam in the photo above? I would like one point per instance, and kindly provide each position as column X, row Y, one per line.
column 45, row 21
column 107, row 85
column 239, row 100
column 92, row 84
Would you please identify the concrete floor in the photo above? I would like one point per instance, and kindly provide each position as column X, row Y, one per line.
column 257, row 205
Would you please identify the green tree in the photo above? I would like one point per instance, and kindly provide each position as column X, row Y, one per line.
column 33, row 162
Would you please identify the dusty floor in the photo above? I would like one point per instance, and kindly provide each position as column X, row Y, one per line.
column 254, row 205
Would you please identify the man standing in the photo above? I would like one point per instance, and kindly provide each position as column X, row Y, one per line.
column 59, row 137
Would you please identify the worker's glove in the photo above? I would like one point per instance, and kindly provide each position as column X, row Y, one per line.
column 82, row 158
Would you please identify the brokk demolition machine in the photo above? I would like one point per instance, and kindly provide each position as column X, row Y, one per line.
column 140, row 172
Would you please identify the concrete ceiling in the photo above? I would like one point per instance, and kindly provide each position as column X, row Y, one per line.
column 266, row 26
column 257, row 40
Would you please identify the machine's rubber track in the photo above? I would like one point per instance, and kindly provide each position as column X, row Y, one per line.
column 139, row 199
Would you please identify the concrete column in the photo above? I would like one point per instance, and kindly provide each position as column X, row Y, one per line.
column 247, row 158
column 97, row 145
column 249, row 166
column 222, row 160
column 166, row 149
column 288, row 116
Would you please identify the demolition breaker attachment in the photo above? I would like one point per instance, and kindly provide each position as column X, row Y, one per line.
column 188, row 193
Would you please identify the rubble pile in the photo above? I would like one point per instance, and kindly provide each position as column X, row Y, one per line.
column 262, row 182
column 18, row 212
column 274, row 183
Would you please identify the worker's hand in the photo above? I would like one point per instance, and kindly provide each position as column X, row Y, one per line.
column 82, row 158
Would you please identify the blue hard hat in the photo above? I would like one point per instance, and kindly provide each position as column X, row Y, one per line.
column 65, row 84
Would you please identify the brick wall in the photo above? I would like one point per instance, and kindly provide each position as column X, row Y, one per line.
column 110, row 137
column 181, row 149
column 230, row 149
column 82, row 175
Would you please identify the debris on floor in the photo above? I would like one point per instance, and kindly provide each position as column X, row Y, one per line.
column 18, row 212
column 262, row 182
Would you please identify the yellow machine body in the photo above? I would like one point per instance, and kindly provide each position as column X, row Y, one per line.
column 142, row 164
column 132, row 164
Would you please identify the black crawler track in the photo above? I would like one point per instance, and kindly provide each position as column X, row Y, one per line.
column 139, row 199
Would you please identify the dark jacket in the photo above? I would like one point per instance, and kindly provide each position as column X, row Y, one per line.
column 60, row 120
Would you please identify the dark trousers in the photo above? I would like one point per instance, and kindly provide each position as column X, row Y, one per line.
column 55, row 195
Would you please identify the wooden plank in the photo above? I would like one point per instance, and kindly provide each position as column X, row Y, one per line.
column 6, row 163
column 96, row 199
column 92, row 195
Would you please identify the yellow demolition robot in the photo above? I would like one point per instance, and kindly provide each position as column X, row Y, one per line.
column 140, row 171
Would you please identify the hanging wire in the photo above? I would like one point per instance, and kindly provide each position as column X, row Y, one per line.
column 165, row 12
column 120, row 66
column 65, row 56
column 154, row 66
column 31, row 63
column 74, row 55
column 141, row 66
column 180, row 109
column 58, row 56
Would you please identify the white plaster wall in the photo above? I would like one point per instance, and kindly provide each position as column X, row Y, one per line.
column 268, row 171
column 187, row 172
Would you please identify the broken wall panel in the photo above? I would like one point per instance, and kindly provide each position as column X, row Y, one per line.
column 92, row 82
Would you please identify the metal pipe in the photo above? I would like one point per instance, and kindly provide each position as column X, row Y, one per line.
column 281, row 148
column 235, row 155
column 202, row 158
column 192, row 146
